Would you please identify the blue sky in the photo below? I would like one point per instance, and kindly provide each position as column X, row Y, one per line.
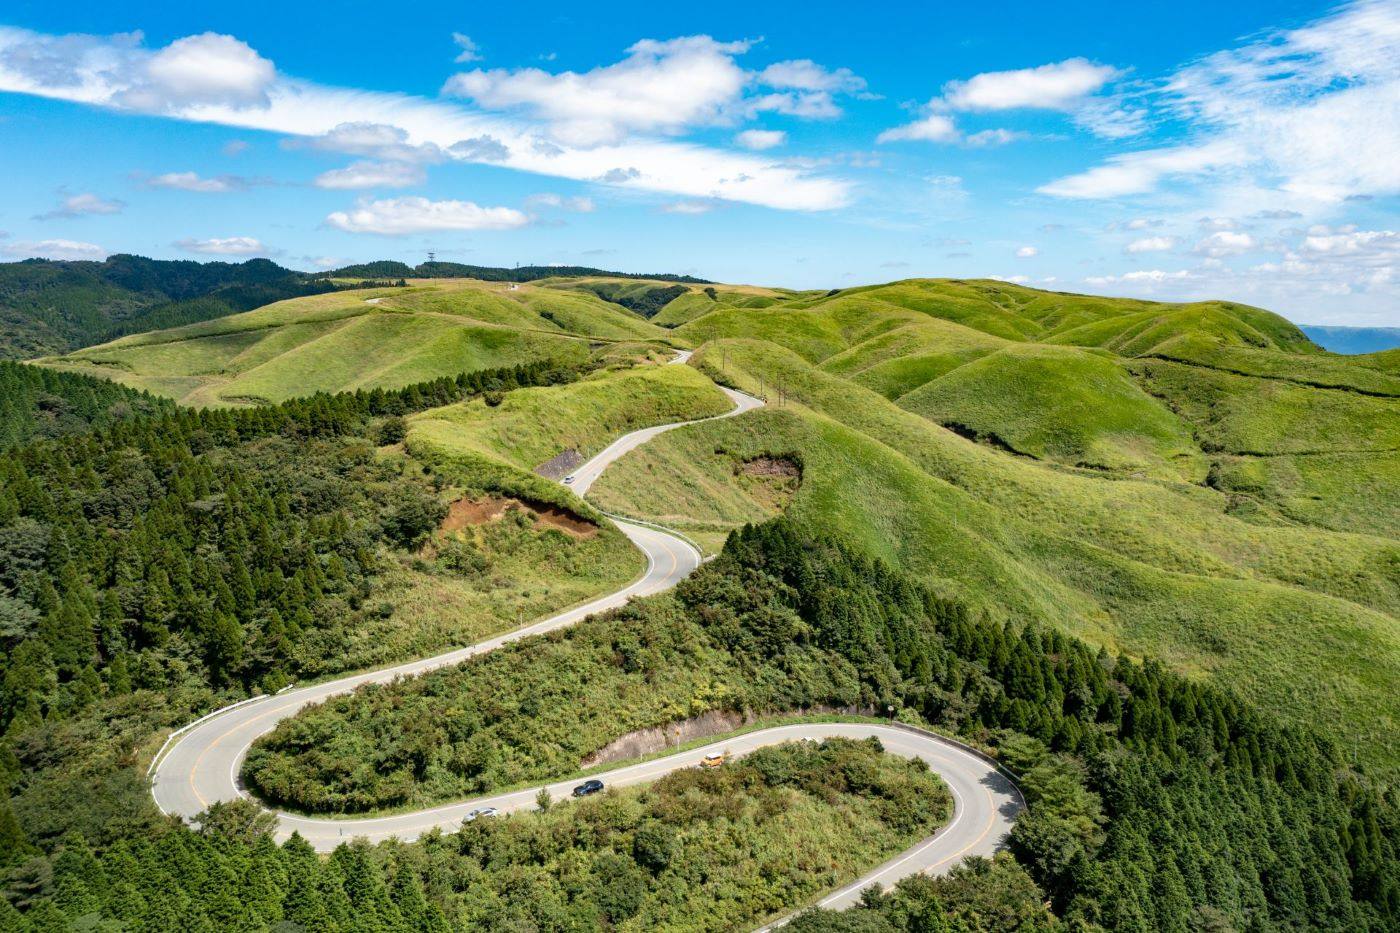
column 1244, row 151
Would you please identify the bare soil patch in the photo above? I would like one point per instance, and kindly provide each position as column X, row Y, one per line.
column 467, row 513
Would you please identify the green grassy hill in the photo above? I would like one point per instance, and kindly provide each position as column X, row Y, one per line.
column 365, row 338
column 1197, row 483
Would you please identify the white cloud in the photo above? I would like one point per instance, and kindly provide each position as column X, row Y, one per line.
column 661, row 86
column 688, row 207
column 577, row 204
column 1141, row 276
column 397, row 216
column 203, row 70
column 97, row 70
column 235, row 147
column 1309, row 114
column 191, row 181
column 806, row 75
column 1056, row 86
column 1353, row 243
column 1226, row 243
column 53, row 249
column 80, row 205
column 934, row 127
column 1151, row 244
column 368, row 174
column 470, row 51
column 224, row 246
column 1140, row 172
column 1013, row 279
column 1027, row 252
column 1060, row 86
column 997, row 137
column 761, row 139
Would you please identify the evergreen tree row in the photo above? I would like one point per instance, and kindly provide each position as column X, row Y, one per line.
column 39, row 403
column 1156, row 803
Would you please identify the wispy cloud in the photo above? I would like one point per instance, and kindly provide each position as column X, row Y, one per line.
column 1309, row 116
column 52, row 249
column 193, row 181
column 81, row 205
column 398, row 216
column 224, row 246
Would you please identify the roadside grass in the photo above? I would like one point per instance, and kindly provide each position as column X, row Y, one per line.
column 532, row 425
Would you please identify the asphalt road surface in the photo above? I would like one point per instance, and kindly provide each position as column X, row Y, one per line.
column 201, row 764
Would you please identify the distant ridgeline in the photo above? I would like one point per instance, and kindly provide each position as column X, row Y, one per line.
column 389, row 269
column 52, row 306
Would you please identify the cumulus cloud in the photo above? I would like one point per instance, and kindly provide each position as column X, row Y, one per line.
column 1151, row 244
column 206, row 69
column 1325, row 274
column 1226, row 243
column 1027, row 252
column 1056, row 86
column 398, row 216
column 933, row 127
column 203, row 71
column 224, row 246
column 99, row 70
column 192, row 181
column 661, row 87
column 82, row 205
column 53, row 249
column 479, row 149
column 761, row 139
column 806, row 75
column 1062, row 86
column 369, row 174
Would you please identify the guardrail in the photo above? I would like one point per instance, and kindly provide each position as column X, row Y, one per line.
column 1006, row 772
column 165, row 746
column 670, row 531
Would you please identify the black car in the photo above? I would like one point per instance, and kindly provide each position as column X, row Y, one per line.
column 588, row 787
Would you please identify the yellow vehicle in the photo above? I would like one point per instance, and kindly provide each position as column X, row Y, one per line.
column 712, row 760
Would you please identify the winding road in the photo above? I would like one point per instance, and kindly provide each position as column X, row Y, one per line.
column 200, row 763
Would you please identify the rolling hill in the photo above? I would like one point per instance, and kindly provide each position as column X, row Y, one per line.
column 1198, row 483
column 364, row 338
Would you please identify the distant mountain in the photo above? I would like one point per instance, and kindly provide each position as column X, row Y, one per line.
column 389, row 269
column 1353, row 339
column 51, row 306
